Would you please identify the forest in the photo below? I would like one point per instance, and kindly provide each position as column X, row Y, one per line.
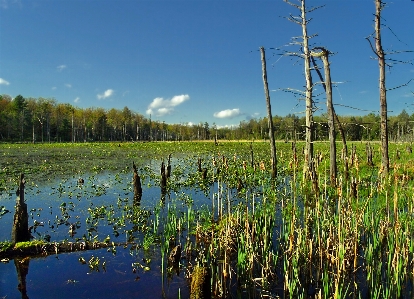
column 40, row 120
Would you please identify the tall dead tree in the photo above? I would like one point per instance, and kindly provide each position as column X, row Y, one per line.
column 303, row 22
column 327, row 84
column 385, row 163
column 269, row 115
column 382, row 62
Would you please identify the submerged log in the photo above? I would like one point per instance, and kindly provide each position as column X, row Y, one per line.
column 20, row 229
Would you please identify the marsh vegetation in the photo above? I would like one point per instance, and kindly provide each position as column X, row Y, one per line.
column 222, row 225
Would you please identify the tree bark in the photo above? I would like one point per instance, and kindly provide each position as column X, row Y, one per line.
column 269, row 115
column 331, row 122
column 382, row 89
column 308, row 92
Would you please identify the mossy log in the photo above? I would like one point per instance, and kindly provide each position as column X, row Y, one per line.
column 42, row 248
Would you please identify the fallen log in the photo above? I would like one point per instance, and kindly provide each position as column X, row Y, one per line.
column 43, row 248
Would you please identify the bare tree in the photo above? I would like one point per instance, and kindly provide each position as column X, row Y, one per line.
column 381, row 56
column 385, row 163
column 303, row 22
column 327, row 84
column 269, row 114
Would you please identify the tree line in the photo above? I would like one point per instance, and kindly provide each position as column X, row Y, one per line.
column 46, row 120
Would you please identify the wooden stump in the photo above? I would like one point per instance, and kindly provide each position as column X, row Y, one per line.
column 137, row 185
column 20, row 229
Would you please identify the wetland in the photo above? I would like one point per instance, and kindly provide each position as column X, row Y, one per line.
column 221, row 227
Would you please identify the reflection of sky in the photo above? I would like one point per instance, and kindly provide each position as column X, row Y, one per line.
column 44, row 204
column 48, row 277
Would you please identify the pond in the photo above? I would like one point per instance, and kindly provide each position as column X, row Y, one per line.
column 98, row 208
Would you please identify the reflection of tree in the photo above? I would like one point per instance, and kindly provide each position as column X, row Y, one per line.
column 22, row 269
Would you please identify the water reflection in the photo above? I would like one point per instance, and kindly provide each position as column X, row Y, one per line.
column 22, row 269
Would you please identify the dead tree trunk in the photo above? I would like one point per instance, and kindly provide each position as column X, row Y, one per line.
column 380, row 54
column 20, row 229
column 331, row 122
column 324, row 55
column 302, row 21
column 309, row 89
column 383, row 92
column 269, row 115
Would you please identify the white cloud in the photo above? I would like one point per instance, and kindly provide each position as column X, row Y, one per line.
column 228, row 113
column 106, row 94
column 6, row 3
column 4, row 82
column 227, row 126
column 161, row 106
column 61, row 67
column 54, row 88
column 68, row 85
column 77, row 100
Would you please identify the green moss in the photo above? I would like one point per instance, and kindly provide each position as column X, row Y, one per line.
column 29, row 244
column 5, row 246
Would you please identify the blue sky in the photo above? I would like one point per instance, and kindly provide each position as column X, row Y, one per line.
column 192, row 61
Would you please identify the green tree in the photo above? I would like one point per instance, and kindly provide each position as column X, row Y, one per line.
column 19, row 105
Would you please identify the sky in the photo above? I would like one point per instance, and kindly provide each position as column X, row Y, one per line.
column 192, row 61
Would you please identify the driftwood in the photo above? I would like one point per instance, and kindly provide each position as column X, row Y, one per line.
column 46, row 248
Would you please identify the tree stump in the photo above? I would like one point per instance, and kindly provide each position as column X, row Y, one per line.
column 168, row 172
column 20, row 229
column 137, row 185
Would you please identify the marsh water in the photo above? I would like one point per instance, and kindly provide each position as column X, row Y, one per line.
column 96, row 209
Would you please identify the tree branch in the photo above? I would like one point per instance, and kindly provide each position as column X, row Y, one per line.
column 402, row 85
